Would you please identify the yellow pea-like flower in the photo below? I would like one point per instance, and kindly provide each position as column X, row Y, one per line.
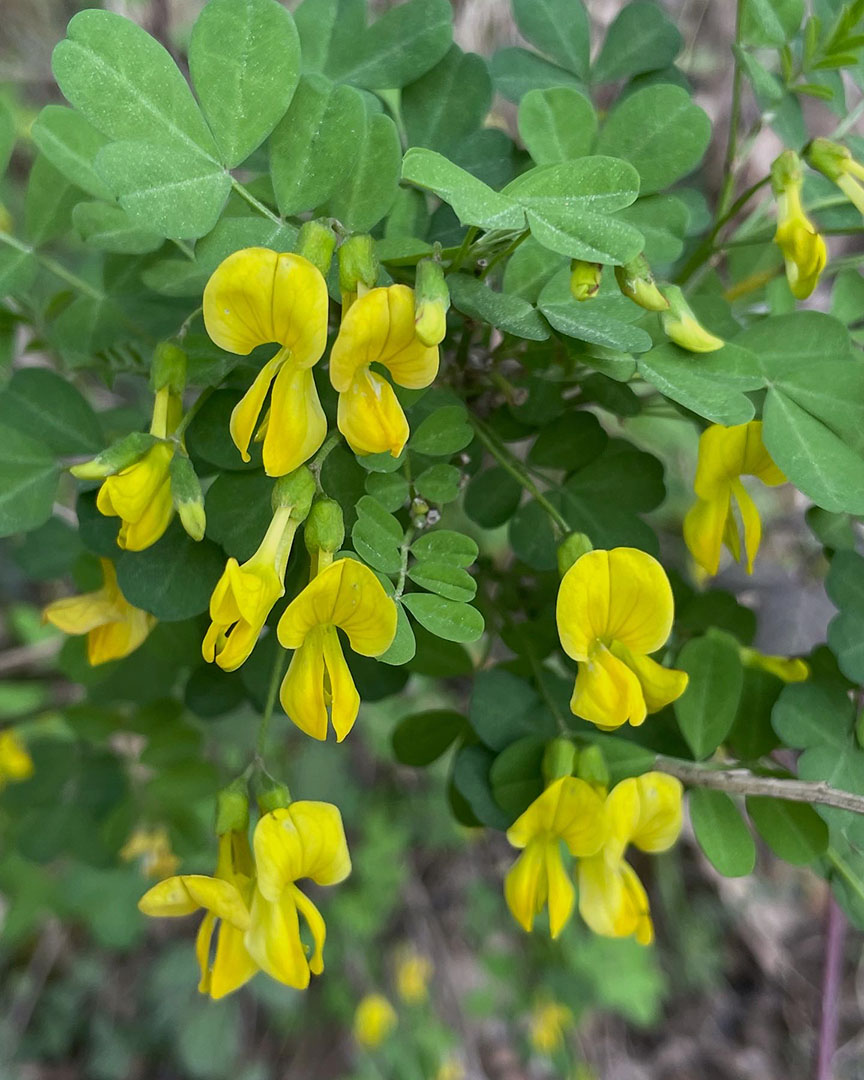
column 374, row 1020
column 255, row 297
column 725, row 455
column 152, row 848
column 140, row 495
column 569, row 810
column 302, row 840
column 15, row 761
column 549, row 1023
column 226, row 898
column 378, row 328
column 413, row 972
column 614, row 609
column 114, row 628
column 803, row 248
column 645, row 811
column 345, row 594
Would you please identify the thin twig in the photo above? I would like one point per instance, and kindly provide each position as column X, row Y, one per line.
column 244, row 193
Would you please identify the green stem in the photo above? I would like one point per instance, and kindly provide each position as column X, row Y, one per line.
column 519, row 473
column 317, row 462
column 507, row 251
column 259, row 206
column 706, row 249
column 184, row 247
column 459, row 257
column 272, row 692
column 55, row 267
column 846, row 872
column 403, row 568
column 734, row 119
column 192, row 412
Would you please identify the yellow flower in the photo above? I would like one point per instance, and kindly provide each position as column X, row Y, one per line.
column 645, row 811
column 140, row 495
column 789, row 669
column 345, row 594
column 302, row 840
column 548, row 1023
column 413, row 972
column 614, row 608
column 725, row 455
column 244, row 596
column 374, row 1019
column 15, row 761
column 256, row 297
column 681, row 325
column 451, row 1068
column 113, row 627
column 153, row 848
column 378, row 328
column 226, row 898
column 838, row 164
column 803, row 248
column 569, row 810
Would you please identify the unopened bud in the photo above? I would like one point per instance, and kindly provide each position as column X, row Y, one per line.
column 273, row 797
column 232, row 808
column 316, row 242
column 325, row 527
column 559, row 759
column 636, row 281
column 837, row 163
column 358, row 264
column 296, row 490
column 592, row 766
column 187, row 496
column 585, row 279
column 168, row 370
column 571, row 550
column 682, row 326
column 119, row 456
column 431, row 302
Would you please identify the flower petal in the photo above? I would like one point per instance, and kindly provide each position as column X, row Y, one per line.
column 128, row 494
column 569, row 808
column 150, row 527
column 607, row 693
column 219, row 896
column 169, row 899
column 660, row 686
column 232, row 967
column 80, row 614
column 613, row 901
column 525, row 887
column 203, row 941
column 302, row 691
column 245, row 413
column 562, row 895
column 317, row 928
column 370, row 417
column 296, row 425
column 303, row 840
column 659, row 822
column 344, row 699
column 273, row 940
column 115, row 640
column 704, row 529
column 750, row 520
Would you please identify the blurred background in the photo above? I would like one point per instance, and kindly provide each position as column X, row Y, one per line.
column 90, row 991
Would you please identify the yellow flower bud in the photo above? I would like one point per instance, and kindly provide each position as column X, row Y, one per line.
column 316, row 242
column 187, row 496
column 804, row 250
column 681, row 325
column 636, row 281
column 374, row 1020
column 585, row 279
column 431, row 302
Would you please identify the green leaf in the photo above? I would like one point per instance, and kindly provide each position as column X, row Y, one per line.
column 623, row 757
column 509, row 313
column 42, row 403
column 71, row 143
column 447, row 619
column 239, row 534
column 558, row 28
column 712, row 385
column 516, row 774
column 443, row 578
column 404, row 644
column 641, row 38
column 446, row 545
column 722, row 833
column 516, row 72
column 28, row 482
column 471, row 779
column 557, row 124
column 370, row 188
column 400, row 46
column 391, row 490
column 505, row 708
column 793, row 830
column 530, row 534
column 492, row 497
column 376, row 536
column 207, row 436
column 174, row 578
column 448, row 103
column 244, row 58
column 439, row 483
column 18, row 268
column 663, row 221
column 530, row 268
column 622, row 474
column 706, row 710
column 180, row 193
column 603, row 321
column 660, row 131
column 422, row 738
column 845, row 587
column 770, row 22
column 126, row 84
column 473, row 202
column 309, row 156
column 175, row 277
column 568, row 206
column 48, row 207
column 109, row 228
column 443, row 433
column 570, row 442
column 233, row 233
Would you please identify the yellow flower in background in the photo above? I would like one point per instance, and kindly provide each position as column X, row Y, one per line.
column 345, row 594
column 569, row 810
column 725, row 455
column 549, row 1022
column 378, row 328
column 302, row 840
column 645, row 811
column 413, row 972
column 255, row 297
column 153, row 848
column 15, row 761
column 451, row 1068
column 614, row 608
column 244, row 596
column 114, row 628
column 789, row 669
column 226, row 898
column 140, row 495
column 803, row 248
column 374, row 1020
